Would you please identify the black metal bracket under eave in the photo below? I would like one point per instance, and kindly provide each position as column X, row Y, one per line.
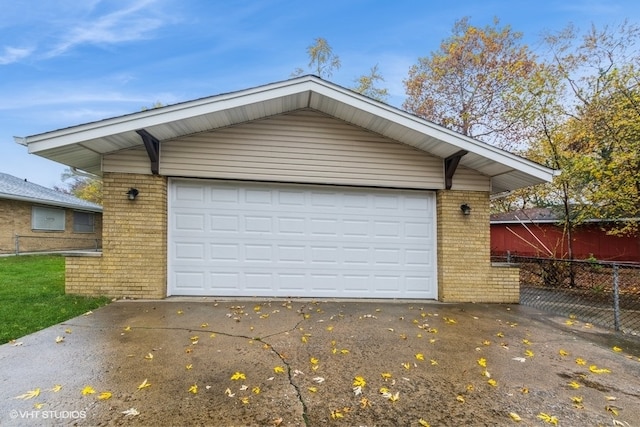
column 450, row 166
column 152, row 145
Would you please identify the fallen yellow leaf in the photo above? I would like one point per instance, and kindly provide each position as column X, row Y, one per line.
column 385, row 375
column 563, row 352
column 617, row 349
column 255, row 390
column 580, row 361
column 193, row 389
column 104, row 395
column 244, row 400
column 359, row 382
column 482, row 362
column 88, row 390
column 336, row 414
column 596, row 370
column 528, row 353
column 423, row 423
column 38, row 405
column 30, row 394
column 574, row 385
column 515, row 417
column 238, row 376
column 420, row 356
column 364, row 402
column 612, row 409
column 56, row 388
column 59, row 339
column 550, row 419
column 460, row 398
column 492, row 382
column 144, row 384
column 278, row 370
column 149, row 356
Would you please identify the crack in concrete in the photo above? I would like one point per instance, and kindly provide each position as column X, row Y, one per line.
column 290, row 371
column 305, row 415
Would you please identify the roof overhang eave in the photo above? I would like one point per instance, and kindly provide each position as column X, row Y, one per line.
column 97, row 138
column 38, row 201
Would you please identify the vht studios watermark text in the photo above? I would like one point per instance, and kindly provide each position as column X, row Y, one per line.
column 42, row 415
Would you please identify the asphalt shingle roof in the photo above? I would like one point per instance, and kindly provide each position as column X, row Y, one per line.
column 15, row 188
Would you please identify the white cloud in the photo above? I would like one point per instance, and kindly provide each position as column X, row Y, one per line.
column 132, row 23
column 13, row 54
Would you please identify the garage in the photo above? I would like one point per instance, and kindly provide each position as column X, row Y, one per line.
column 234, row 238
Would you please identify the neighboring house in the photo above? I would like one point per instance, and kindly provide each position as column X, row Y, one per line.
column 539, row 231
column 300, row 188
column 35, row 218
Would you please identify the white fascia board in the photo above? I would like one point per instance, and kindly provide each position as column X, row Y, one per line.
column 149, row 118
column 312, row 84
column 456, row 140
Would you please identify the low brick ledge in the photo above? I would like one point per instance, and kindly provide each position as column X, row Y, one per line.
column 83, row 254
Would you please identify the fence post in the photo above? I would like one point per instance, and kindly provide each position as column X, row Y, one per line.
column 616, row 299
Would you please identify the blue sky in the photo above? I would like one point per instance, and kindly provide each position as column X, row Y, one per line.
column 69, row 62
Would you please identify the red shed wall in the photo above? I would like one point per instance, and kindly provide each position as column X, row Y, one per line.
column 587, row 240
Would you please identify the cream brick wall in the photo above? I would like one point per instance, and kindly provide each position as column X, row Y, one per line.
column 15, row 218
column 134, row 257
column 465, row 273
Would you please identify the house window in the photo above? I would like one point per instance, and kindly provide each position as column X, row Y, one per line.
column 47, row 219
column 83, row 222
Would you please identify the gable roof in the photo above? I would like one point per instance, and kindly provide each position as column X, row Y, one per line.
column 14, row 188
column 83, row 146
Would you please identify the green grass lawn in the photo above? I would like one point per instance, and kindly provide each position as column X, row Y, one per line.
column 32, row 295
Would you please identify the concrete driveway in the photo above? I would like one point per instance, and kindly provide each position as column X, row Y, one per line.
column 315, row 363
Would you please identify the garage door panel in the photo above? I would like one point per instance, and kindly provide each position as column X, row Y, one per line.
column 227, row 282
column 190, row 281
column 224, row 223
column 190, row 251
column 251, row 239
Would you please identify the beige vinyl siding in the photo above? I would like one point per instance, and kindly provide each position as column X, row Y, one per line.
column 134, row 160
column 304, row 146
column 469, row 180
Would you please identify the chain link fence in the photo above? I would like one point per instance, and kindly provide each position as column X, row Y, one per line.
column 602, row 293
column 28, row 244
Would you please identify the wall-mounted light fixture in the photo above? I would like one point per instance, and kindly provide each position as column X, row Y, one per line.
column 132, row 193
column 465, row 208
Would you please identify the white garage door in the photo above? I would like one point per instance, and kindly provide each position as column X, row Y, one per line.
column 248, row 239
